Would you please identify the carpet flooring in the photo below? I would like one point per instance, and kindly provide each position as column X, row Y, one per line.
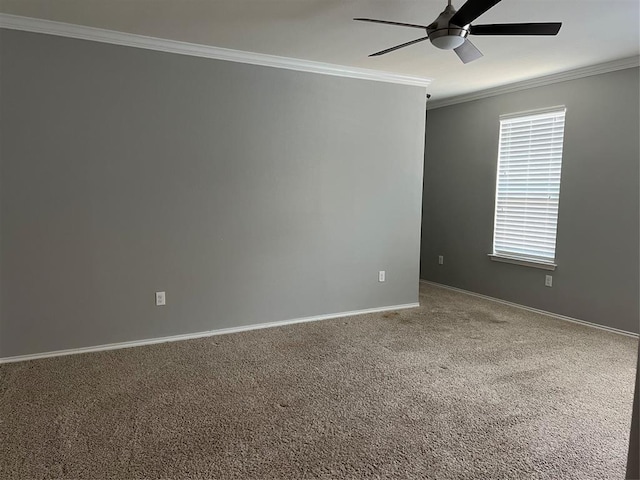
column 459, row 388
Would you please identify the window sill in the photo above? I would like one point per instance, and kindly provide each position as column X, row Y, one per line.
column 524, row 262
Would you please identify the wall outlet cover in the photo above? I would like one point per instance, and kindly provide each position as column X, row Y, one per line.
column 161, row 298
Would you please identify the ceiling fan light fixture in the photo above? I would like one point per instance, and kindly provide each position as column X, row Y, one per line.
column 449, row 37
column 448, row 42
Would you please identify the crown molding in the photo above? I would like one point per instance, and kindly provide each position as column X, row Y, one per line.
column 620, row 64
column 36, row 25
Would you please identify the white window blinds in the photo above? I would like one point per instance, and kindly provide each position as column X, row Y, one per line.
column 528, row 185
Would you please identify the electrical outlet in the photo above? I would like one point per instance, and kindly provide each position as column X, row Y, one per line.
column 161, row 298
column 548, row 281
column 382, row 276
column 440, row 260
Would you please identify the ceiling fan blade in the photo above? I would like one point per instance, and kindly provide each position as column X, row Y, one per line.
column 516, row 29
column 471, row 10
column 382, row 52
column 412, row 25
column 468, row 52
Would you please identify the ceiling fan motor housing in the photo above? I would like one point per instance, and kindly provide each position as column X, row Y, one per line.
column 445, row 35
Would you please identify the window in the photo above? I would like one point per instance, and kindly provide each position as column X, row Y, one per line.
column 528, row 187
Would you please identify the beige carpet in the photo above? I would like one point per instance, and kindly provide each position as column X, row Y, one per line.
column 460, row 388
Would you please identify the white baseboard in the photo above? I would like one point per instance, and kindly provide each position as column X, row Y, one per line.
column 189, row 336
column 535, row 310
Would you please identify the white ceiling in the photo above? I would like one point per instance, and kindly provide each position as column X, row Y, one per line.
column 594, row 31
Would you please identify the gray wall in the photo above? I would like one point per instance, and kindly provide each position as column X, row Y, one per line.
column 597, row 242
column 250, row 194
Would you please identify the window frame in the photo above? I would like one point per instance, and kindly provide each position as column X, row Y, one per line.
column 517, row 259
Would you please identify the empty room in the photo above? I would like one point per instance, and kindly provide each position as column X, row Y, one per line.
column 288, row 239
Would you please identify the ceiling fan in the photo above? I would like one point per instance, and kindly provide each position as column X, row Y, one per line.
column 451, row 29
